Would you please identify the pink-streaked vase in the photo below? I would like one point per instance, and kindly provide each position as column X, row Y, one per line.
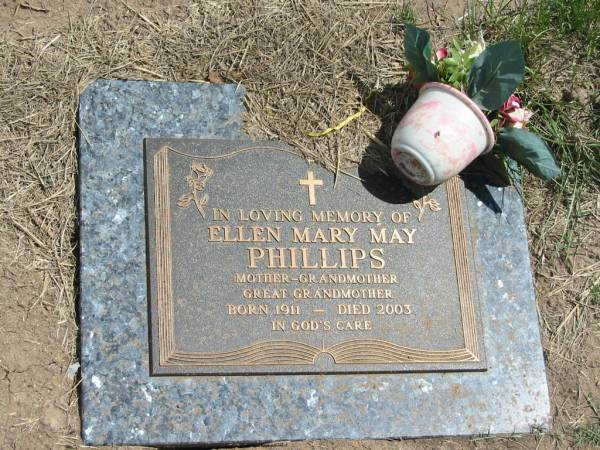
column 440, row 135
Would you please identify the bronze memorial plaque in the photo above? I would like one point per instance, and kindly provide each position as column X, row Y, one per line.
column 259, row 263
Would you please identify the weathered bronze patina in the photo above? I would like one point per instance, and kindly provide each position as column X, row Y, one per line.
column 260, row 263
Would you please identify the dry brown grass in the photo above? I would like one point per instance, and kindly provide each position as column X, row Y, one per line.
column 306, row 66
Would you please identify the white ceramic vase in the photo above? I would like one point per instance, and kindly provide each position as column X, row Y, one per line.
column 440, row 135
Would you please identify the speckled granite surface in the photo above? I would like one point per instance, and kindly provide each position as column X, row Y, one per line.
column 121, row 403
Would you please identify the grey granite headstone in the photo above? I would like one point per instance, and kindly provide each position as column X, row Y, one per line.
column 130, row 397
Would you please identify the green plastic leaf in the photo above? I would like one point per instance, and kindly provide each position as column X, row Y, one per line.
column 454, row 77
column 472, row 53
column 530, row 151
column 495, row 75
column 417, row 46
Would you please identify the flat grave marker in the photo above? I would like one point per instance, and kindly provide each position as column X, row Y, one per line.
column 258, row 264
column 190, row 248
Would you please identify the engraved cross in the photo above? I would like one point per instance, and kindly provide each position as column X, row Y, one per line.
column 311, row 182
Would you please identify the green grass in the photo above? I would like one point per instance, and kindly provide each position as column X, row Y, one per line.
column 578, row 18
column 579, row 157
column 535, row 19
column 588, row 435
column 405, row 14
column 552, row 32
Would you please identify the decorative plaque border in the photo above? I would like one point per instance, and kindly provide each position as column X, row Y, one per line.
column 287, row 352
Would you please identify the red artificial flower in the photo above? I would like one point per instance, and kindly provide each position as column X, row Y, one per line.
column 441, row 53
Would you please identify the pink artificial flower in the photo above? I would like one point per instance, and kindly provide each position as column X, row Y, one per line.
column 513, row 115
column 441, row 53
column 519, row 117
column 512, row 103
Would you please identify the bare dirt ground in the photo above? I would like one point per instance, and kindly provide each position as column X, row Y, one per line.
column 49, row 52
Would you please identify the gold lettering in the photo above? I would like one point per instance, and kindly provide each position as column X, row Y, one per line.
column 247, row 310
column 220, row 214
column 396, row 239
column 355, row 325
column 213, row 234
column 355, row 309
column 242, row 233
column 305, row 257
column 270, row 215
column 378, row 238
column 254, row 255
column 319, row 236
column 257, row 234
column 318, row 217
column 357, row 255
column 310, row 325
column 347, row 216
column 293, row 262
column 268, row 277
column 350, row 232
column 397, row 217
column 314, row 258
column 335, row 234
column 285, row 216
column 298, row 236
column 343, row 263
column 324, row 264
column 278, row 325
column 332, row 235
column 280, row 257
column 264, row 293
column 342, row 216
column 377, row 261
column 227, row 237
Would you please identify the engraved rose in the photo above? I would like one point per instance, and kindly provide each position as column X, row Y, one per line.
column 424, row 202
column 196, row 180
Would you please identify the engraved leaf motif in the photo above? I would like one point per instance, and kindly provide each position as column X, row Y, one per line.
column 204, row 200
column 200, row 204
column 190, row 181
column 424, row 202
column 434, row 205
column 418, row 205
column 185, row 200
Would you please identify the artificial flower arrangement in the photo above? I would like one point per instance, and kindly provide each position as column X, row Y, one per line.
column 467, row 107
